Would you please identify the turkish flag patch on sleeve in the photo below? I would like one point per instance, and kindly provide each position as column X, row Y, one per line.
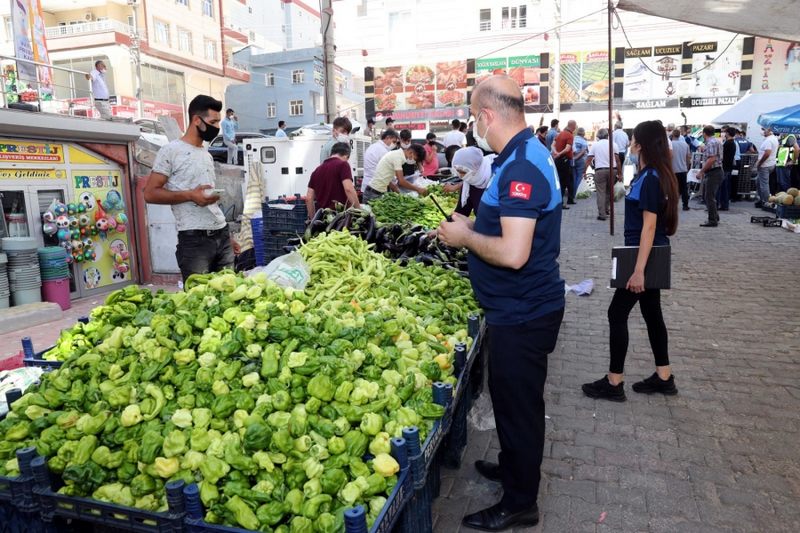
column 520, row 189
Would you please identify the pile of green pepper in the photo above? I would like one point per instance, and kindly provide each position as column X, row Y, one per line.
column 399, row 208
column 280, row 404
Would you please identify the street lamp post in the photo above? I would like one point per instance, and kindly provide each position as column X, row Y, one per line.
column 136, row 56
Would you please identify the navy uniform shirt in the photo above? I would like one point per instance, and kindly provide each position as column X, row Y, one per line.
column 524, row 184
column 645, row 195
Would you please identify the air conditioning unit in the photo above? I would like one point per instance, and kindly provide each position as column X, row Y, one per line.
column 89, row 16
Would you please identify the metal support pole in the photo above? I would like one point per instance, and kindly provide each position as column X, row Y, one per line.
column 328, row 60
column 611, row 154
column 557, row 63
column 136, row 57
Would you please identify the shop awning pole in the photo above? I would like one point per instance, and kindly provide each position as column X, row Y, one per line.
column 611, row 154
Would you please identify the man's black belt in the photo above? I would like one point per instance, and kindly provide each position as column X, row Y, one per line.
column 101, row 99
column 374, row 191
column 202, row 232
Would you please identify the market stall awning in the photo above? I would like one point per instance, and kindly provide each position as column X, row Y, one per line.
column 786, row 120
column 778, row 20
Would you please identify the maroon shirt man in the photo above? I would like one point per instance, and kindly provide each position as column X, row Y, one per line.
column 332, row 182
column 562, row 155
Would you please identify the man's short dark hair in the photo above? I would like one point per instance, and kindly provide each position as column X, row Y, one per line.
column 281, row 123
column 341, row 149
column 675, row 134
column 200, row 105
column 390, row 133
column 455, row 123
column 730, row 130
column 229, row 110
column 430, row 136
column 542, row 130
column 405, row 135
column 419, row 152
column 371, row 121
column 708, row 130
column 344, row 123
column 98, row 63
column 389, row 120
column 462, row 126
column 554, row 123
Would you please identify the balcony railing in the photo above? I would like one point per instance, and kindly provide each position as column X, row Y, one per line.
column 84, row 28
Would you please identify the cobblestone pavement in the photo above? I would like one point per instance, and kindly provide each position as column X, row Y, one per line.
column 723, row 454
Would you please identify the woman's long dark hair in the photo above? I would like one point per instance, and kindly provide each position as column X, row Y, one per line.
column 655, row 152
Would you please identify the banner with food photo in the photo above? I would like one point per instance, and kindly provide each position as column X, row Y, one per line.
column 776, row 65
column 486, row 67
column 525, row 71
column 451, row 84
column 420, row 87
column 715, row 69
column 388, row 82
column 584, row 77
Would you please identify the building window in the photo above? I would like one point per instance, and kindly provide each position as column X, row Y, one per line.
column 182, row 2
column 269, row 79
column 130, row 22
column 486, row 20
column 211, row 50
column 295, row 108
column 298, row 76
column 514, row 17
column 162, row 32
column 402, row 30
column 184, row 40
column 252, row 36
column 9, row 29
column 208, row 8
column 272, row 109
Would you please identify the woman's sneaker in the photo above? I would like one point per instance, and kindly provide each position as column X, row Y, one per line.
column 604, row 390
column 656, row 384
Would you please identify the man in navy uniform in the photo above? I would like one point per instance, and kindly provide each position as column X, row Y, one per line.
column 514, row 245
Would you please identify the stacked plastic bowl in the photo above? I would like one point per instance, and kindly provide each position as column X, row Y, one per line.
column 55, row 275
column 5, row 290
column 23, row 269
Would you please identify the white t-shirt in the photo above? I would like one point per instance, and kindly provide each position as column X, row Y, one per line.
column 456, row 138
column 187, row 167
column 386, row 170
column 599, row 151
column 99, row 87
column 770, row 143
column 372, row 156
column 621, row 140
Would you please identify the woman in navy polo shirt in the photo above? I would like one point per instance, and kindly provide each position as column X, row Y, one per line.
column 651, row 215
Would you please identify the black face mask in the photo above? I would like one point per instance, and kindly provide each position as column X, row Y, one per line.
column 210, row 132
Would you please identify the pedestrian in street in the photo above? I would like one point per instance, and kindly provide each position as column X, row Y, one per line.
column 513, row 249
column 621, row 141
column 552, row 133
column 541, row 134
column 691, row 142
column 562, row 154
column 431, row 164
column 100, row 90
column 374, row 154
column 604, row 172
column 711, row 174
column 389, row 122
column 786, row 160
column 729, row 150
column 331, row 183
column 681, row 161
column 281, row 131
column 455, row 137
column 580, row 150
column 651, row 216
column 370, row 129
column 340, row 133
column 183, row 177
column 767, row 157
column 230, row 125
column 389, row 173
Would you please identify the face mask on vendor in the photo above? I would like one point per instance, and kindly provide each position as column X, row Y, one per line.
column 405, row 146
column 208, row 132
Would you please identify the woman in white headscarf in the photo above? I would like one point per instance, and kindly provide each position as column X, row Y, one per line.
column 475, row 171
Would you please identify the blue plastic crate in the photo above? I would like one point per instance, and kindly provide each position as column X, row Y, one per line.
column 790, row 212
column 19, row 507
column 285, row 215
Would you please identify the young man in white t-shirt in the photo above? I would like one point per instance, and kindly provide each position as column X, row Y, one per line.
column 766, row 164
column 455, row 137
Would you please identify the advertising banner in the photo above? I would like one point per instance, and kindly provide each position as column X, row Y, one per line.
column 584, row 77
column 652, row 72
column 101, row 192
column 525, row 70
column 23, row 49
column 776, row 65
column 40, row 54
column 714, row 71
column 30, row 152
column 420, row 86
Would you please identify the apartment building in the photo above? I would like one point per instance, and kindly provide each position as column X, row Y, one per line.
column 186, row 46
column 289, row 86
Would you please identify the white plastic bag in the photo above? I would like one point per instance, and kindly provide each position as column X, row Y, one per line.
column 481, row 416
column 289, row 270
column 583, row 187
column 619, row 191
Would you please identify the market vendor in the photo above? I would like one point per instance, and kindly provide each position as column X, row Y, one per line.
column 513, row 249
column 475, row 171
column 390, row 168
column 183, row 177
